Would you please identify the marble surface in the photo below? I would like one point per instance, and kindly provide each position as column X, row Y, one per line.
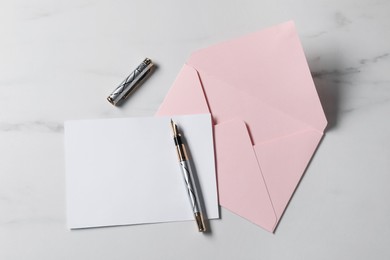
column 59, row 60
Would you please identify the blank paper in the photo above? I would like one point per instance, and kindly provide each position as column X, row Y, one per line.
column 125, row 171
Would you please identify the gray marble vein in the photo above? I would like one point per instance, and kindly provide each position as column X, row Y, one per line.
column 335, row 72
column 341, row 20
column 375, row 59
column 32, row 126
column 359, row 67
column 38, row 12
column 31, row 220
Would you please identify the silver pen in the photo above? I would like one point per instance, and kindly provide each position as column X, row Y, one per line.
column 188, row 178
column 131, row 82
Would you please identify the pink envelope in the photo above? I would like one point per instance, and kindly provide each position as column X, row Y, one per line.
column 267, row 115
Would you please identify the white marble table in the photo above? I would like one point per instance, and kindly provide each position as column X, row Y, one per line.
column 60, row 59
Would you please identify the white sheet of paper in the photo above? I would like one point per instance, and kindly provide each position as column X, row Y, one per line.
column 125, row 171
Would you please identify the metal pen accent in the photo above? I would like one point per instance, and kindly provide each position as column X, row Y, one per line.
column 131, row 82
column 188, row 178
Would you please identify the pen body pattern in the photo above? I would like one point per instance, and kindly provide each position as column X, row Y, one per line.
column 191, row 187
column 130, row 82
column 188, row 177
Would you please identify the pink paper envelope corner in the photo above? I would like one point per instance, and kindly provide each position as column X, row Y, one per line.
column 185, row 96
column 241, row 185
column 268, row 117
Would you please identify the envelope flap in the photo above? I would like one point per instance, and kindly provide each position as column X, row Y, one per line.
column 241, row 186
column 185, row 96
column 270, row 65
column 262, row 120
column 283, row 162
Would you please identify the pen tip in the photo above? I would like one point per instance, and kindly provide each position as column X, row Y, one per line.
column 174, row 127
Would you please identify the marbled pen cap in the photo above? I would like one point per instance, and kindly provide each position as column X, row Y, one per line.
column 131, row 82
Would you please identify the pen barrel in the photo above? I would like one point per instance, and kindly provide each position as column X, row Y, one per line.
column 130, row 82
column 193, row 194
column 189, row 179
column 191, row 186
